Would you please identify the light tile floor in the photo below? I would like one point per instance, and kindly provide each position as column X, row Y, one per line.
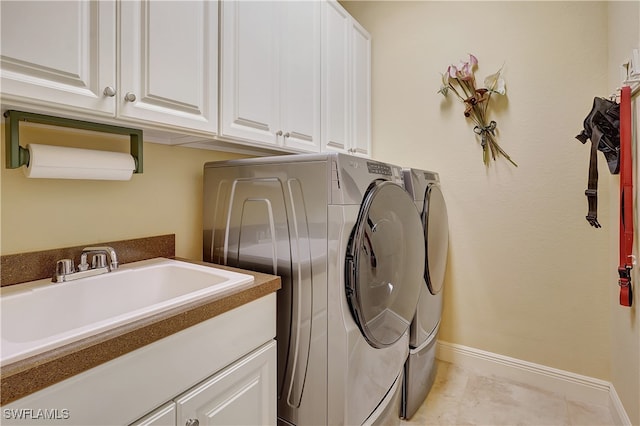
column 463, row 397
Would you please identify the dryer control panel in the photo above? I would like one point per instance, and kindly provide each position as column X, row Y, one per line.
column 379, row 168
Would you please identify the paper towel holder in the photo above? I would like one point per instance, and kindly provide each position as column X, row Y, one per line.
column 18, row 156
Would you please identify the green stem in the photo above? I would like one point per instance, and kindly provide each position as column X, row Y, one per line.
column 478, row 117
column 465, row 88
column 486, row 105
column 456, row 92
column 502, row 152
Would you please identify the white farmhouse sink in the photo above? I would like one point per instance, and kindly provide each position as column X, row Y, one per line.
column 42, row 315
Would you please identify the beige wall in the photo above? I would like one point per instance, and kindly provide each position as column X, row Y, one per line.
column 527, row 276
column 39, row 214
column 624, row 35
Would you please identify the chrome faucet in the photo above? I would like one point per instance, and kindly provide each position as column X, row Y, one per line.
column 99, row 258
column 65, row 271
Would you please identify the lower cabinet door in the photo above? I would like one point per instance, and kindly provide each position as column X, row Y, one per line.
column 243, row 393
column 163, row 416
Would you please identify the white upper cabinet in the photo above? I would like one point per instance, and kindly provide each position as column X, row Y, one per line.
column 59, row 53
column 169, row 63
column 300, row 75
column 270, row 73
column 346, row 82
column 287, row 76
column 249, row 71
column 336, row 96
column 62, row 55
column 361, row 89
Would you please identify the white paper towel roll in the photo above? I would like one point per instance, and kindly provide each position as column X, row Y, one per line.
column 57, row 162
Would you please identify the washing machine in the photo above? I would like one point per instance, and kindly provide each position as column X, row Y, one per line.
column 346, row 240
column 424, row 188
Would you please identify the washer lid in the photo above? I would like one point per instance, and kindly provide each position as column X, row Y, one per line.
column 385, row 263
column 436, row 237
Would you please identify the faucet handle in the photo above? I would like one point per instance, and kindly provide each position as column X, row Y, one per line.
column 64, row 267
column 99, row 261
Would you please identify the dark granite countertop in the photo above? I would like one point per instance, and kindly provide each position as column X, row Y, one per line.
column 23, row 377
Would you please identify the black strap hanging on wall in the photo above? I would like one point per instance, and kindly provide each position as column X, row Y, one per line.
column 602, row 127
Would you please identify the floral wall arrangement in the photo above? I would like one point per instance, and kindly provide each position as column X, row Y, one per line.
column 461, row 81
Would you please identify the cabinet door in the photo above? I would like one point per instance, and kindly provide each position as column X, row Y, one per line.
column 163, row 416
column 169, row 63
column 346, row 82
column 242, row 394
column 300, row 75
column 59, row 53
column 361, row 89
column 249, row 77
column 336, row 26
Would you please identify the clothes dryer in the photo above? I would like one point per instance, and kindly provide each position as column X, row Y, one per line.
column 346, row 239
column 424, row 188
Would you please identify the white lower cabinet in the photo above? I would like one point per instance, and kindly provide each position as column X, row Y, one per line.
column 221, row 371
column 244, row 393
column 163, row 416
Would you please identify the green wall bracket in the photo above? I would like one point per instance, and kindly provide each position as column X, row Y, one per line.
column 18, row 156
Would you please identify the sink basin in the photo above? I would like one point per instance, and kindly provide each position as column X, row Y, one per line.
column 42, row 315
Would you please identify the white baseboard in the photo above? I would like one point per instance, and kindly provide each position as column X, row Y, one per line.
column 618, row 412
column 571, row 385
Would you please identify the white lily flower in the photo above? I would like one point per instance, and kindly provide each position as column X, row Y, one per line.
column 495, row 83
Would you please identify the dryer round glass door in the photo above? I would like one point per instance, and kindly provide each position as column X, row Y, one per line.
column 436, row 237
column 385, row 263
